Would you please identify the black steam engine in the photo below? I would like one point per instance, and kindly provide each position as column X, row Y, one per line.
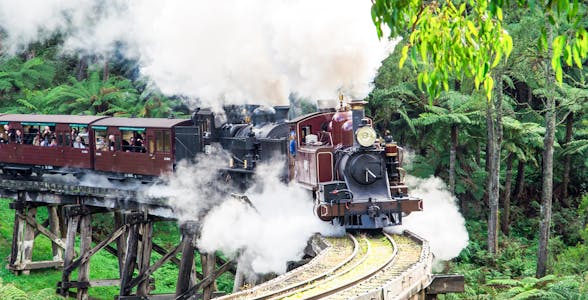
column 355, row 177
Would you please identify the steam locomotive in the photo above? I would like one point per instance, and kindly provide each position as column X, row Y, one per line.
column 355, row 178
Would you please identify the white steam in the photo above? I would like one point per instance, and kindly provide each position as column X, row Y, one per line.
column 272, row 233
column 264, row 236
column 193, row 189
column 440, row 222
column 217, row 51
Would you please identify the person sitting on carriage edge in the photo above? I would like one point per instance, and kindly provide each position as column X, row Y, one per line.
column 111, row 142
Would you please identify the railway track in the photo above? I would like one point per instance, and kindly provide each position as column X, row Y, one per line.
column 354, row 267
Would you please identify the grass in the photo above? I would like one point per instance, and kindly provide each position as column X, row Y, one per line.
column 102, row 265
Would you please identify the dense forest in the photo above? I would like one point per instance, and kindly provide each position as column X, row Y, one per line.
column 492, row 137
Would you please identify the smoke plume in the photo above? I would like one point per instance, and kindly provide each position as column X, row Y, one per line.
column 440, row 222
column 271, row 232
column 193, row 189
column 216, row 51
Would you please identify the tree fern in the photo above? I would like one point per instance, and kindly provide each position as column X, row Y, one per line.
column 10, row 292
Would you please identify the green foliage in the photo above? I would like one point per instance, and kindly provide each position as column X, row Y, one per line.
column 10, row 292
column 447, row 39
column 16, row 74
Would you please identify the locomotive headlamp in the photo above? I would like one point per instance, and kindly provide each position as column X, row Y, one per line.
column 366, row 136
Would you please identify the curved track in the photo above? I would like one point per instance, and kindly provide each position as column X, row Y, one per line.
column 367, row 266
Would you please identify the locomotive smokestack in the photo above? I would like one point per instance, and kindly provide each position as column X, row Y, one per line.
column 357, row 113
column 281, row 113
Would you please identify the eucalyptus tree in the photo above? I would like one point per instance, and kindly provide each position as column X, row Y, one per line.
column 466, row 38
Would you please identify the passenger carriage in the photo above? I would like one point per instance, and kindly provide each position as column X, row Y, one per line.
column 26, row 158
column 141, row 148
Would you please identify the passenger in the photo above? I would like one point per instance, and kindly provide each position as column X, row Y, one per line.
column 132, row 144
column 46, row 135
column 139, row 146
column 74, row 134
column 10, row 134
column 111, row 142
column 79, row 144
column 2, row 139
column 101, row 145
column 37, row 140
column 126, row 147
column 84, row 133
column 18, row 138
column 30, row 136
column 53, row 142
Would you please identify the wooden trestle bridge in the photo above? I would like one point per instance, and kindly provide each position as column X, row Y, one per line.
column 70, row 209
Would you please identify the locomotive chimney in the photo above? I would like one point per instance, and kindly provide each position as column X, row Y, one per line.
column 357, row 113
column 281, row 113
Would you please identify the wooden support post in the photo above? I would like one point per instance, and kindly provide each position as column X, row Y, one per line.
column 121, row 242
column 85, row 245
column 143, row 288
column 17, row 233
column 28, row 241
column 208, row 265
column 189, row 230
column 54, row 226
column 70, row 239
column 239, row 278
column 129, row 260
column 23, row 237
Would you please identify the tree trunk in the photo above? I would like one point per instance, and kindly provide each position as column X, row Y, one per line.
column 106, row 72
column 568, row 158
column 520, row 181
column 505, row 222
column 452, row 154
column 82, row 72
column 494, row 110
column 478, row 154
column 547, row 190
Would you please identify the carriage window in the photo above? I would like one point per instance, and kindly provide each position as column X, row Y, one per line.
column 30, row 135
column 162, row 141
column 78, row 137
column 151, row 145
column 38, row 134
column 101, row 139
column 132, row 140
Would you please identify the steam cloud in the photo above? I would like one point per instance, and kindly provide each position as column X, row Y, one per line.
column 266, row 236
column 272, row 233
column 440, row 222
column 194, row 188
column 216, row 51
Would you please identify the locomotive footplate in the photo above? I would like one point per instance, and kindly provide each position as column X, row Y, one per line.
column 329, row 211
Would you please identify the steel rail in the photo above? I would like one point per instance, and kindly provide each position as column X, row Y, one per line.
column 270, row 285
